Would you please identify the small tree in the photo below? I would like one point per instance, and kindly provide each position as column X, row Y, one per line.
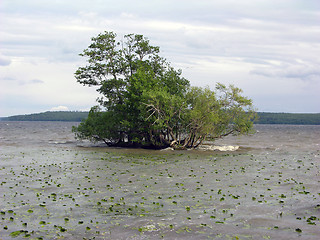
column 201, row 114
column 145, row 102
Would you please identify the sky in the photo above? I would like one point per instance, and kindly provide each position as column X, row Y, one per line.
column 268, row 48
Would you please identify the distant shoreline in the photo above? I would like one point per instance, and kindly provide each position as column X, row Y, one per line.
column 264, row 117
column 59, row 116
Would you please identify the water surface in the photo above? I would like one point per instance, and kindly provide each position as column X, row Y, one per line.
column 53, row 187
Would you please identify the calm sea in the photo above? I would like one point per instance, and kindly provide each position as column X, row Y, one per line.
column 55, row 187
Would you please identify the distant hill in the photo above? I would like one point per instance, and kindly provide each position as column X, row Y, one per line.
column 65, row 116
column 289, row 118
column 264, row 117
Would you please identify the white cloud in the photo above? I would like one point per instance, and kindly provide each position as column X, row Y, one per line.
column 36, row 81
column 59, row 108
column 297, row 71
column 4, row 61
column 257, row 45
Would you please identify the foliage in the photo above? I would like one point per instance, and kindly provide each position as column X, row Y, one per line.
column 99, row 126
column 145, row 101
column 201, row 114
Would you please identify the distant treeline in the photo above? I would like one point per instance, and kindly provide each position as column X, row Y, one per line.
column 65, row 116
column 264, row 118
column 289, row 118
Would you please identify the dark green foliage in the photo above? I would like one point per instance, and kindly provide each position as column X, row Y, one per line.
column 145, row 102
column 99, row 126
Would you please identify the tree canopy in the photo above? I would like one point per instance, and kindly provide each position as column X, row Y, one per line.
column 145, row 102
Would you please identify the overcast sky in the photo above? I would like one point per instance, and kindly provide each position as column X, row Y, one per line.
column 269, row 48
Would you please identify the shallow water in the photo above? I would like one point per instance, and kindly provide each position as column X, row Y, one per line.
column 53, row 187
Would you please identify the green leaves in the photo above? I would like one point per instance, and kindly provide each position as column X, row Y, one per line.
column 146, row 102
